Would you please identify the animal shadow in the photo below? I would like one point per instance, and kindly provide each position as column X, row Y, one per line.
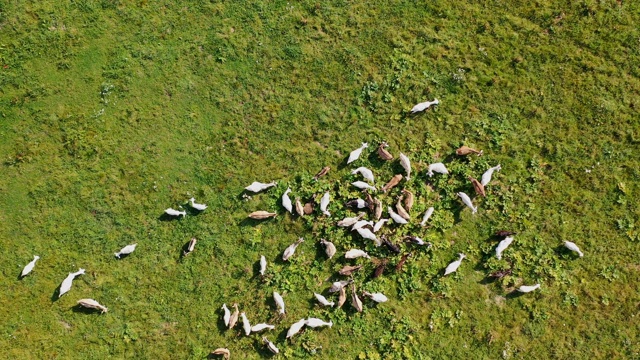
column 514, row 294
column 565, row 253
column 220, row 323
column 83, row 310
column 56, row 294
column 122, row 256
column 261, row 348
column 488, row 280
column 167, row 217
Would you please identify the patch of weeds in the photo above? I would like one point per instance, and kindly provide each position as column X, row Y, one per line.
column 610, row 273
column 409, row 280
column 443, row 317
column 627, row 226
column 397, row 342
column 129, row 334
column 570, row 298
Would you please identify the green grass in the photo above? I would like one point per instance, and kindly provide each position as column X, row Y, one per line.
column 112, row 111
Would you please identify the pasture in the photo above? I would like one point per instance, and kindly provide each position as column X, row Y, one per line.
column 112, row 111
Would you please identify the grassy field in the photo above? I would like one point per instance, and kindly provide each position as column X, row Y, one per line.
column 112, row 111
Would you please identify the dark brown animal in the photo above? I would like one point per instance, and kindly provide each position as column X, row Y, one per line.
column 403, row 260
column 349, row 270
column 393, row 182
column 505, row 233
column 478, row 187
column 322, row 173
column 370, row 201
column 379, row 270
column 383, row 153
column 308, row 207
column 408, row 199
column 500, row 273
column 465, row 150
column 391, row 246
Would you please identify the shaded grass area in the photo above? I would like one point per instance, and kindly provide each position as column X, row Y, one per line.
column 113, row 111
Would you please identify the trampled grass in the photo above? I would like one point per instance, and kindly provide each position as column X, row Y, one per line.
column 112, row 111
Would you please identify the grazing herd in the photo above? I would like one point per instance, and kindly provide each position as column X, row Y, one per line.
column 367, row 229
column 65, row 286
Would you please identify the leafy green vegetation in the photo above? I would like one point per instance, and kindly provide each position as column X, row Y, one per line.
column 112, row 111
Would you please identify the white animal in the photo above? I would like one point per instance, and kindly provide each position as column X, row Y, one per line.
column 360, row 204
column 356, row 253
column 424, row 106
column 377, row 297
column 227, row 314
column 66, row 283
column 323, row 300
column 338, row 285
column 486, row 177
column 27, row 269
column 279, row 301
column 368, row 234
column 406, row 164
column 262, row 326
column 329, row 248
column 427, row 215
column 286, row 201
column 92, row 304
column 234, row 316
column 355, row 154
column 126, row 250
column 289, row 251
column 418, row 241
column 263, row 265
column 174, row 212
column 526, row 289
column 467, row 201
column 454, row 265
column 226, row 354
column 363, row 185
column 324, row 202
column 503, row 245
column 361, row 224
column 379, row 224
column 366, row 173
column 350, row 220
column 296, row 327
column 396, row 218
column 245, row 324
column 271, row 346
column 437, row 167
column 190, row 246
column 315, row 322
column 569, row 245
column 199, row 207
column 258, row 186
